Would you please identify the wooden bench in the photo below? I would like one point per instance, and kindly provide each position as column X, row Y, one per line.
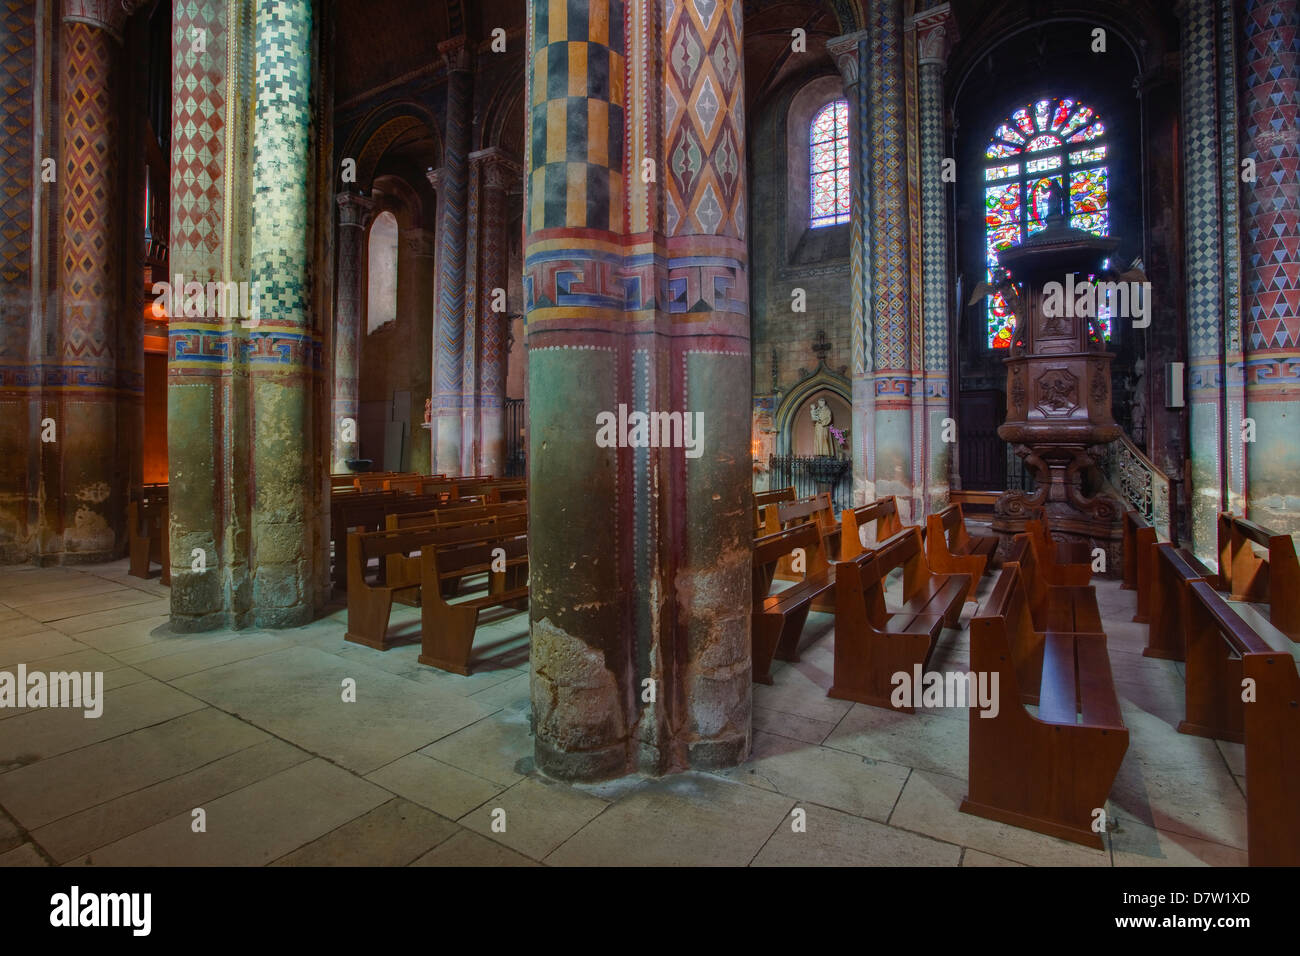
column 366, row 511
column 1139, row 538
column 147, row 527
column 1273, row 579
column 1227, row 644
column 1173, row 571
column 764, row 504
column 817, row 510
column 982, row 503
column 951, row 549
column 447, row 629
column 370, row 604
column 1064, row 608
column 1051, row 567
column 883, row 511
column 778, row 619
column 1051, row 771
column 871, row 643
column 400, row 567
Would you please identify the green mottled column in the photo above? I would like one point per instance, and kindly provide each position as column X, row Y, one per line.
column 280, row 345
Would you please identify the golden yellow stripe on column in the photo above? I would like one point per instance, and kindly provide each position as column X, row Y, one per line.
column 598, row 23
column 538, row 194
column 571, row 315
column 615, row 199
column 557, row 131
column 575, row 216
column 557, row 21
column 577, row 69
column 581, row 243
column 540, row 63
column 617, row 81
column 598, row 132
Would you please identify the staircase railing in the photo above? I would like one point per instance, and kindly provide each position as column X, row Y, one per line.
column 1140, row 483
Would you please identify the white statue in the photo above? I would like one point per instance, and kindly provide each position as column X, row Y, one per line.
column 821, row 416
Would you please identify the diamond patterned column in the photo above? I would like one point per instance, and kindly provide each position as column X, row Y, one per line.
column 1271, row 206
column 935, row 33
column 281, row 346
column 449, row 339
column 355, row 213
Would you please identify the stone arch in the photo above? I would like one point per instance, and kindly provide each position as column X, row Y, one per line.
column 378, row 131
column 823, row 379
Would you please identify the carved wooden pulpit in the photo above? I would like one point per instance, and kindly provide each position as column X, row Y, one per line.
column 1058, row 386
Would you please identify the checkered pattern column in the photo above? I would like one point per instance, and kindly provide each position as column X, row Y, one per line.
column 1203, row 241
column 449, row 338
column 1270, row 74
column 933, row 28
column 355, row 213
column 279, row 349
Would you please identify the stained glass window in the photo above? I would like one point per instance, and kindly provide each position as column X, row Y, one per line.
column 1035, row 146
column 829, row 165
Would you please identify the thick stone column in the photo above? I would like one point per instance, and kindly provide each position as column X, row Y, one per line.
column 84, row 486
column 21, row 259
column 935, row 34
column 1203, row 242
column 887, row 238
column 850, row 53
column 637, row 298
column 449, row 341
column 498, row 174
column 281, row 344
column 1271, row 313
column 355, row 213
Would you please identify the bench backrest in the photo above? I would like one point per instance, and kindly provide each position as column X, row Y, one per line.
column 860, row 595
column 883, row 511
column 771, row 548
column 954, row 528
column 442, row 559
column 905, row 550
column 762, row 499
column 452, row 513
column 1005, row 620
column 816, row 507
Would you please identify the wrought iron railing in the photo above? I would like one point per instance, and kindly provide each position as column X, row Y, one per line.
column 1141, row 484
column 811, row 475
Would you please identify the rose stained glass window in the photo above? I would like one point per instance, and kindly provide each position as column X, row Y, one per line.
column 1057, row 139
column 829, row 165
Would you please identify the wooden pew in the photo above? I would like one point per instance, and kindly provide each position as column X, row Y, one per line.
column 447, row 630
column 1226, row 645
column 406, row 568
column 980, row 503
column 1273, row 580
column 366, row 511
column 951, row 549
column 1046, row 550
column 147, row 526
column 765, row 501
column 817, row 510
column 1173, row 571
column 1060, row 608
column 872, row 644
column 1047, row 772
column 1139, row 540
column 370, row 604
column 379, row 482
column 778, row 619
column 883, row 511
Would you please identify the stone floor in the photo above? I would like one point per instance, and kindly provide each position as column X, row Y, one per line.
column 251, row 727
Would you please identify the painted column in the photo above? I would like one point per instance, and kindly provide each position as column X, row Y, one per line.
column 23, row 205
column 84, row 487
column 887, row 237
column 437, row 179
column 355, row 213
column 280, row 345
column 416, row 299
column 1271, row 316
column 850, row 52
column 498, row 174
column 637, row 299
column 470, row 357
column 449, row 343
column 1203, row 242
column 934, row 37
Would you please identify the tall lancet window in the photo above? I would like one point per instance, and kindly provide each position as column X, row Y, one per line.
column 829, row 165
column 381, row 287
column 1059, row 140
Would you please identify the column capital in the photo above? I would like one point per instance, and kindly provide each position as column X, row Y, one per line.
column 936, row 32
column 844, row 49
column 355, row 209
column 420, row 242
column 110, row 15
column 498, row 168
column 455, row 53
column 436, row 178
